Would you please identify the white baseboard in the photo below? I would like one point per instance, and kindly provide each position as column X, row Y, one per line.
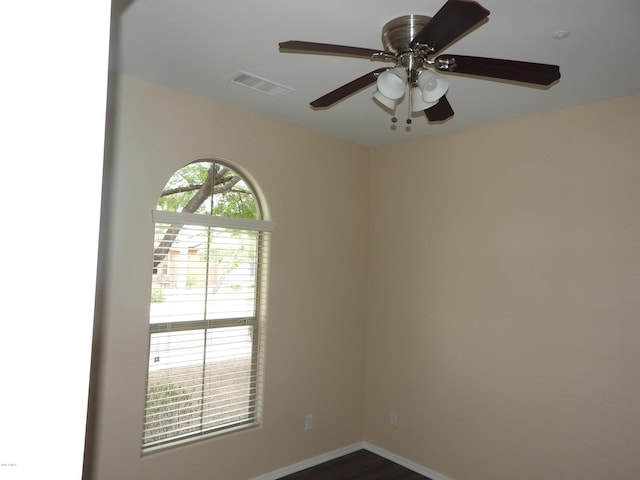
column 404, row 462
column 312, row 462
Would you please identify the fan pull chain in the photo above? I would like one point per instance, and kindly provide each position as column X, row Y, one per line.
column 408, row 94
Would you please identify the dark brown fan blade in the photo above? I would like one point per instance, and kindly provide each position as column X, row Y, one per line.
column 347, row 89
column 440, row 111
column 538, row 73
column 450, row 22
column 328, row 48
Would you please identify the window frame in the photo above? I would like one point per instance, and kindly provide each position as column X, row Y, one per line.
column 263, row 229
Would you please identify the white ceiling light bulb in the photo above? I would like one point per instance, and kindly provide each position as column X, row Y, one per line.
column 384, row 101
column 433, row 86
column 392, row 83
column 417, row 102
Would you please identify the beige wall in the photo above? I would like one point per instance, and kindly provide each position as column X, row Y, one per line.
column 501, row 266
column 504, row 298
column 317, row 193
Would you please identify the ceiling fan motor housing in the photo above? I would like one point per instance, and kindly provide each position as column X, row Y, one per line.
column 397, row 35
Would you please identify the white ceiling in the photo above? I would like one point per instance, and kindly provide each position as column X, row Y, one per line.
column 198, row 45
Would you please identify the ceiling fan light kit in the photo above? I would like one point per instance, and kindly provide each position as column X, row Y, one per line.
column 418, row 103
column 412, row 43
column 431, row 85
column 384, row 101
column 392, row 83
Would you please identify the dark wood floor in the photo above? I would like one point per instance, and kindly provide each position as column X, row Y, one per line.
column 360, row 465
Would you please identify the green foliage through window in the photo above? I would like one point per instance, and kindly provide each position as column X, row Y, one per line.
column 209, row 188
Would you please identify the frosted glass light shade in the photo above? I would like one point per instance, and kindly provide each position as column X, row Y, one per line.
column 433, row 86
column 392, row 83
column 390, row 103
column 417, row 102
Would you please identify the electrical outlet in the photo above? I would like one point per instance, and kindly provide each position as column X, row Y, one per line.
column 308, row 422
column 393, row 418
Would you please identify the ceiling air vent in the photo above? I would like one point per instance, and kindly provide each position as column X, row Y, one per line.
column 260, row 84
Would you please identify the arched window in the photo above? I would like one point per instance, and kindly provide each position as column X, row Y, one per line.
column 207, row 309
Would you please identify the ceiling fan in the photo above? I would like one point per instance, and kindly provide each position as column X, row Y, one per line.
column 412, row 43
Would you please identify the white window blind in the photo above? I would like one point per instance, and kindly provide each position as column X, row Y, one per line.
column 204, row 327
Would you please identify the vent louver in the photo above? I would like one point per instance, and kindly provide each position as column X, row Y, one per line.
column 260, row 84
